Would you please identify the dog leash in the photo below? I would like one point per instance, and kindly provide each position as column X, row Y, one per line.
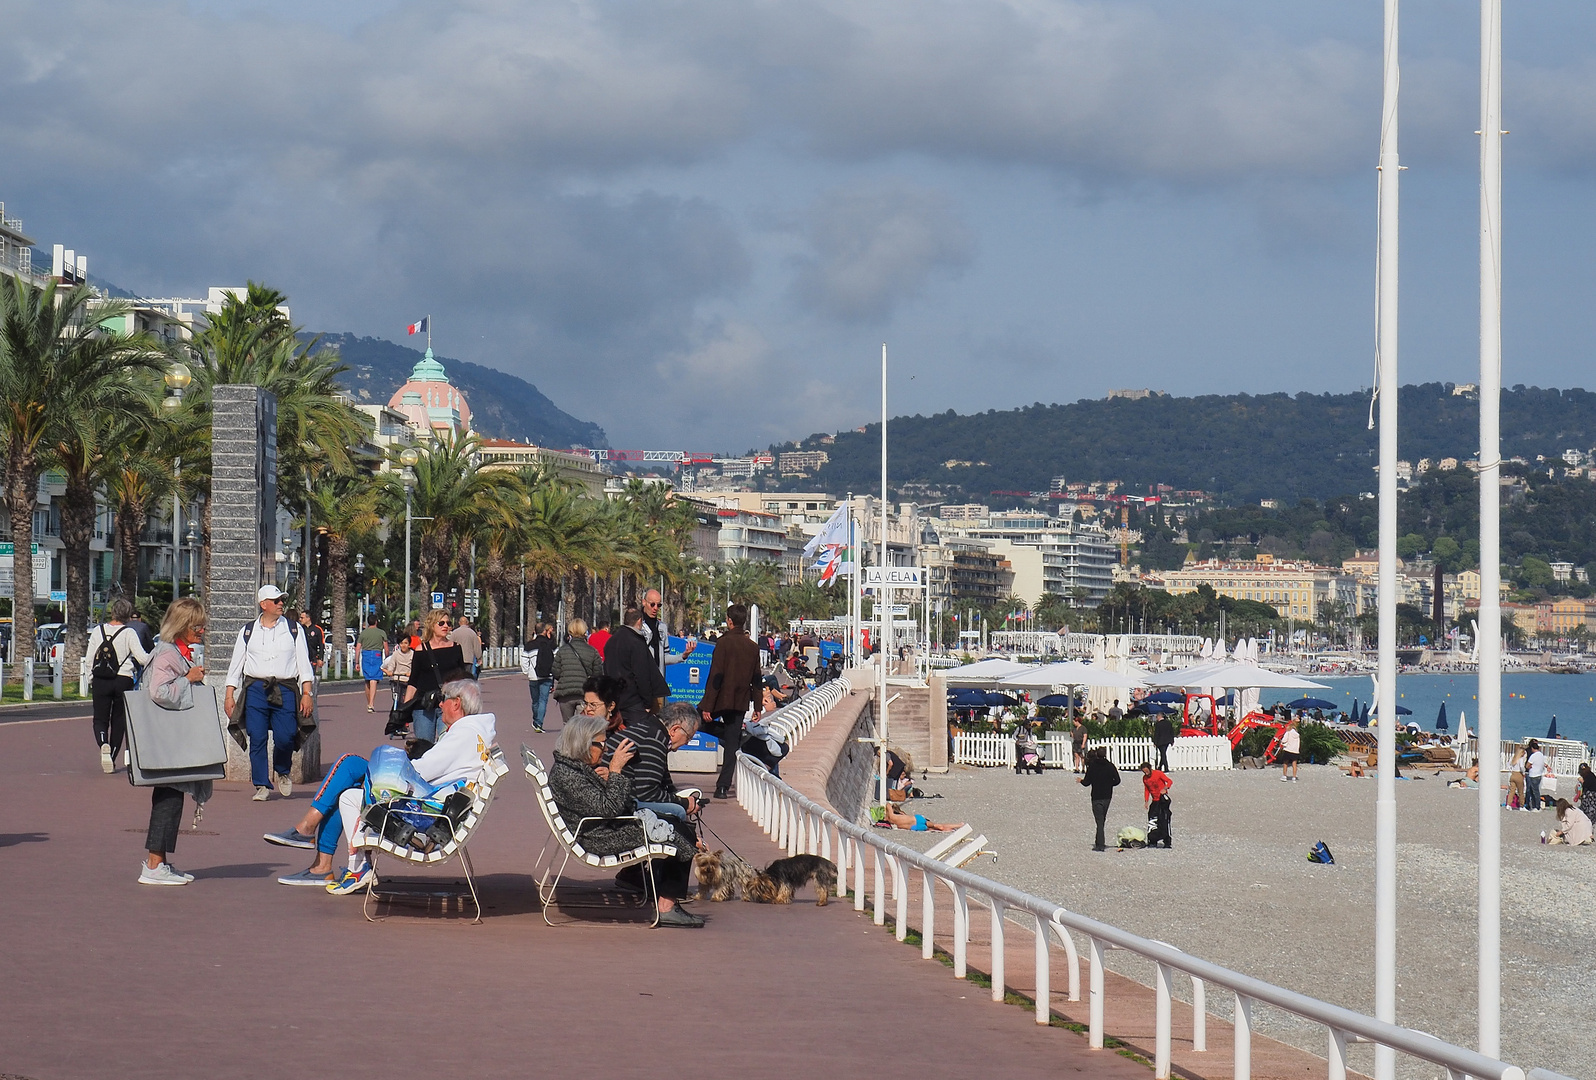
column 705, row 826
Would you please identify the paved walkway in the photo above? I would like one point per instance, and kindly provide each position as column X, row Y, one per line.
column 235, row 975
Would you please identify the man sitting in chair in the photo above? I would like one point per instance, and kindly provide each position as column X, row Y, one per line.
column 456, row 758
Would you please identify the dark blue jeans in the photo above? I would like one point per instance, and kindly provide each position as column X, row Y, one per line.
column 280, row 720
column 540, row 698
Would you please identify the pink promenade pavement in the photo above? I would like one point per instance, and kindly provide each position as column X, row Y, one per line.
column 237, row 976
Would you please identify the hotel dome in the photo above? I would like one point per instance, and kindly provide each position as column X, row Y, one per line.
column 430, row 403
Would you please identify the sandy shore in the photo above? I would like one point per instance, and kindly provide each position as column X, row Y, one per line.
column 1237, row 889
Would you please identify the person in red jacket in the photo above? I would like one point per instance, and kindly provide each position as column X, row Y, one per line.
column 598, row 638
column 1155, row 796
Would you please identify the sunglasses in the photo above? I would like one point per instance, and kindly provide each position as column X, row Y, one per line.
column 596, row 742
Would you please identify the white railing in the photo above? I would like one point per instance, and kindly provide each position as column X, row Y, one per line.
column 793, row 721
column 1563, row 756
column 801, row 826
column 1188, row 753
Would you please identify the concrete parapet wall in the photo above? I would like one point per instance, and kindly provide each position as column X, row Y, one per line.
column 831, row 749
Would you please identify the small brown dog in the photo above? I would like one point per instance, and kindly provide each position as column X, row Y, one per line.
column 724, row 875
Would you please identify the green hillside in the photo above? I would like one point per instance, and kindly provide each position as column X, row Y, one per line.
column 502, row 406
column 1240, row 447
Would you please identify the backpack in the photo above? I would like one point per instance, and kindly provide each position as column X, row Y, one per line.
column 249, row 628
column 1321, row 854
column 107, row 665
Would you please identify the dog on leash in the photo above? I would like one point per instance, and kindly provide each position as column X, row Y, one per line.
column 723, row 875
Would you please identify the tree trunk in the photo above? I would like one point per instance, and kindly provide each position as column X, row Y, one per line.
column 336, row 566
column 130, row 521
column 22, row 491
column 317, row 598
column 77, row 528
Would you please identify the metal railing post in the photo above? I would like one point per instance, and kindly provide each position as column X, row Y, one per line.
column 1161, row 1022
column 928, row 915
column 1094, row 1036
column 997, row 950
column 900, row 895
column 961, row 929
column 1199, row 1015
column 860, row 886
column 1074, row 958
column 1044, row 989
column 1338, row 1055
column 1243, row 1027
column 880, row 916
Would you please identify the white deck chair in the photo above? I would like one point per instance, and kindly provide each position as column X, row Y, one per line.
column 372, row 842
column 567, row 838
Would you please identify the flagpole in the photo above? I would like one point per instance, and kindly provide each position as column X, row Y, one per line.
column 429, row 333
column 883, row 595
column 853, row 591
column 1488, row 720
column 1385, row 828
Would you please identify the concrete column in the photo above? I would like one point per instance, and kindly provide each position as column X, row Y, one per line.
column 243, row 543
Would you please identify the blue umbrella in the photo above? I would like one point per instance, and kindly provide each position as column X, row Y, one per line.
column 967, row 698
column 1363, row 721
column 1310, row 703
column 995, row 698
column 1156, row 708
column 1551, row 732
column 1165, row 697
column 1440, row 718
column 1054, row 701
column 1403, row 710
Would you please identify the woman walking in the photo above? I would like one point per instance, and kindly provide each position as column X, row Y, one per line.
column 574, row 664
column 172, row 675
column 112, row 675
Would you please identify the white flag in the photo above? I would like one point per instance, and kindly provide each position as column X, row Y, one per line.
column 835, row 532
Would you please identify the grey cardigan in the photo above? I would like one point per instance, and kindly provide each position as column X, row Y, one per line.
column 580, row 793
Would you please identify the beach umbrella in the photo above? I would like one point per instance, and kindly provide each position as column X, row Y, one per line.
column 1070, row 673
column 997, row 699
column 1363, row 721
column 1310, row 703
column 1233, row 675
column 966, row 698
column 1165, row 697
column 1054, row 701
column 1551, row 732
column 983, row 672
column 1403, row 710
column 1440, row 718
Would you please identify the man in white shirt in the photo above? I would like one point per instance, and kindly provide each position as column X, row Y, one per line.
column 457, row 757
column 271, row 653
column 1534, row 772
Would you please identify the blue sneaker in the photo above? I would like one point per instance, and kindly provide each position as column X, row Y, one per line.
column 305, row 877
column 351, row 881
column 291, row 838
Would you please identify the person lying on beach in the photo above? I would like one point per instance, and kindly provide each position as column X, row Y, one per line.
column 915, row 822
column 1471, row 779
column 1573, row 827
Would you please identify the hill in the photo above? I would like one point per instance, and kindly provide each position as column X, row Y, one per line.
column 503, row 406
column 1239, row 447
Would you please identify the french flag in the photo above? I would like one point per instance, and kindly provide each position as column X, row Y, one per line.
column 418, row 327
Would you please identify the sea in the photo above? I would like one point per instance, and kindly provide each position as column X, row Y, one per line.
column 1529, row 701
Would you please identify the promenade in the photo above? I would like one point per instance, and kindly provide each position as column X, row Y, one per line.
column 235, row 975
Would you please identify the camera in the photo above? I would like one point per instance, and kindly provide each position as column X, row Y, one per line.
column 428, row 700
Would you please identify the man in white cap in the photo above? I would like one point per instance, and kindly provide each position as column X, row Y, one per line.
column 270, row 653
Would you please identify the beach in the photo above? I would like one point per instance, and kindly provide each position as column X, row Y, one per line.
column 1237, row 889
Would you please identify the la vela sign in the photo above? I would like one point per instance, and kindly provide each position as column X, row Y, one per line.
column 894, row 577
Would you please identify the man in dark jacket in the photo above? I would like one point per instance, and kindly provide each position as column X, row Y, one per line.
column 1102, row 776
column 1163, row 739
column 627, row 657
column 735, row 681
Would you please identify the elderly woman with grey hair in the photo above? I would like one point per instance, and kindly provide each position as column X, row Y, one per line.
column 457, row 757
column 591, row 798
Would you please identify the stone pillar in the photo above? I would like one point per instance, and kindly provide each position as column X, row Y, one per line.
column 243, row 543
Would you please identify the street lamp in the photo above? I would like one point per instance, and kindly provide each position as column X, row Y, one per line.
column 360, row 574
column 385, row 582
column 407, row 461
column 189, row 542
column 177, row 379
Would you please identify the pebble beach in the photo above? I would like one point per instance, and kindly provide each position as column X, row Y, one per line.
column 1237, row 889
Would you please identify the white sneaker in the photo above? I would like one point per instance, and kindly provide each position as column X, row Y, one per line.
column 161, row 875
column 106, row 764
column 285, row 786
column 261, row 794
column 1285, row 779
column 182, row 874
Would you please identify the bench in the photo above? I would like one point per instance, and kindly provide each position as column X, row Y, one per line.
column 372, row 842
column 568, row 839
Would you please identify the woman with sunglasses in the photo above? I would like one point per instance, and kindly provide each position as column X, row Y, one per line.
column 171, row 677
column 436, row 662
column 583, row 792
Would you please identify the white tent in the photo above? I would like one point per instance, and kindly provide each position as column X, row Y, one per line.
column 984, row 672
column 1232, row 676
column 1071, row 673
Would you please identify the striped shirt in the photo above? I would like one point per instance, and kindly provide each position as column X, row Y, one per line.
column 650, row 764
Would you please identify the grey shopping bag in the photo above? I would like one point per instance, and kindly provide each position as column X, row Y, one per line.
column 172, row 746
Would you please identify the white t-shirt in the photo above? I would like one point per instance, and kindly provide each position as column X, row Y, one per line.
column 1537, row 765
column 460, row 751
column 1291, row 742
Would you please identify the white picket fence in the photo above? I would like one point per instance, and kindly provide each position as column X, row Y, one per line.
column 1563, row 756
column 1189, row 752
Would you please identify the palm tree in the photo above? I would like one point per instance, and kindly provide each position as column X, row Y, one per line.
column 54, row 362
column 448, row 489
column 342, row 507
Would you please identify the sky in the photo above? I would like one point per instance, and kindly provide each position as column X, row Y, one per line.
column 696, row 222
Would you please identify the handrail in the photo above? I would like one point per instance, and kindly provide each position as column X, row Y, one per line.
column 801, row 825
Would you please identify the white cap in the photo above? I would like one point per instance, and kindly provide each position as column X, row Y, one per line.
column 268, row 592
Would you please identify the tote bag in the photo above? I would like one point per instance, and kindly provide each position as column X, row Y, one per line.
column 173, row 746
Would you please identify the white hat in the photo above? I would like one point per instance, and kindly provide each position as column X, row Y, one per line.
column 268, row 592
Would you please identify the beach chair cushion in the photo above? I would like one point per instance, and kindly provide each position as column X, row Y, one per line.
column 538, row 774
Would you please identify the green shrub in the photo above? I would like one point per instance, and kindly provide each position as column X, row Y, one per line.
column 1320, row 742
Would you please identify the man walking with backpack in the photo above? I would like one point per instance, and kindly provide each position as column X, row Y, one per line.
column 270, row 655
column 115, row 648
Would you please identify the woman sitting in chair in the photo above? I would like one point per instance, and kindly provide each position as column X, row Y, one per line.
column 580, row 792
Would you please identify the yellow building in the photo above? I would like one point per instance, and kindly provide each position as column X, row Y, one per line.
column 1295, row 590
column 576, row 468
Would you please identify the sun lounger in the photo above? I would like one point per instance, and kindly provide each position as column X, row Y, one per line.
column 569, row 840
column 372, row 841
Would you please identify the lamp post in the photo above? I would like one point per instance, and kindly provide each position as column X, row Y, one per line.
column 407, row 460
column 385, row 582
column 360, row 575
column 189, row 541
column 177, row 379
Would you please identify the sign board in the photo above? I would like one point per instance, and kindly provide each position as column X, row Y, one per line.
column 897, row 609
column 8, row 548
column 437, row 601
column 57, row 596
column 900, row 577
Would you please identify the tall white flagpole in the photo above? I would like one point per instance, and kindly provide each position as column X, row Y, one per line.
column 883, row 593
column 1489, row 718
column 1385, row 862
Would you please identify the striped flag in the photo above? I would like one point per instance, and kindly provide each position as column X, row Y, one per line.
column 418, row 327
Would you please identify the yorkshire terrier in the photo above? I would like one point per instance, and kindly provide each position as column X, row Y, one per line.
column 724, row 875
